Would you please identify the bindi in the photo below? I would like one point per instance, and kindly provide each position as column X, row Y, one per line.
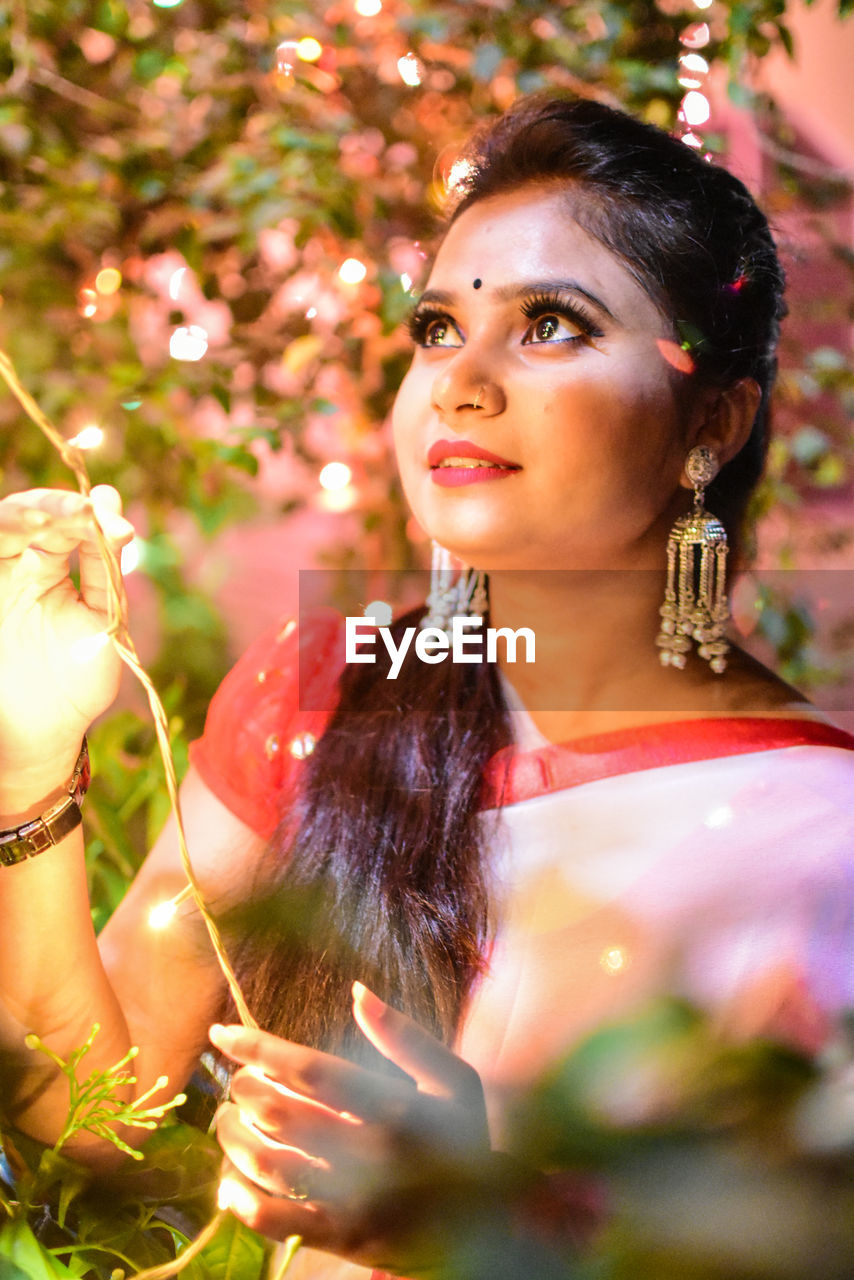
column 476, row 283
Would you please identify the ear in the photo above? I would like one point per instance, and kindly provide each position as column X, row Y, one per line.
column 723, row 419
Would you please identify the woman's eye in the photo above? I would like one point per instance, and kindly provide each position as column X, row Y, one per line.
column 552, row 328
column 441, row 333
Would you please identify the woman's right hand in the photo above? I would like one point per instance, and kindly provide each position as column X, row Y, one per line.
column 54, row 680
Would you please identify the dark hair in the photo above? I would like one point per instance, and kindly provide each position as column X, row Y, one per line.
column 382, row 875
column 688, row 230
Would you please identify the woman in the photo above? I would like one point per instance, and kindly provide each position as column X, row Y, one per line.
column 603, row 303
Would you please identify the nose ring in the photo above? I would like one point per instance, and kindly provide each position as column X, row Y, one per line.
column 476, row 401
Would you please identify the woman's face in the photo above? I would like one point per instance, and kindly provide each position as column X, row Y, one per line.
column 537, row 352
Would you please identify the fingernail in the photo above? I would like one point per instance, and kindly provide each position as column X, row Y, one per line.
column 221, row 1036
column 366, row 1000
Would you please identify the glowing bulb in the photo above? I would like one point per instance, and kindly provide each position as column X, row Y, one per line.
column 233, row 1195
column 175, row 281
column 380, row 611
column 162, row 915
column 88, row 437
column 167, row 4
column 131, row 556
column 309, row 49
column 368, row 8
column 691, row 140
column 702, row 4
column 695, row 108
column 352, row 271
column 406, row 281
column 335, row 475
column 164, row 912
column 108, row 280
column 311, row 313
column 613, row 960
column 188, row 342
column 410, row 72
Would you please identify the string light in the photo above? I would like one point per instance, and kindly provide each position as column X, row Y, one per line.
column 334, row 476
column 188, row 342
column 164, row 913
column 697, row 36
column 409, row 69
column 89, row 437
column 458, row 173
column 368, row 8
column 234, row 1196
column 352, row 271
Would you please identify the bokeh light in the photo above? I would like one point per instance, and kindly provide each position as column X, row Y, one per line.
column 108, row 280
column 410, row 70
column 334, row 476
column 695, row 108
column 368, row 8
column 309, row 49
column 188, row 342
column 352, row 271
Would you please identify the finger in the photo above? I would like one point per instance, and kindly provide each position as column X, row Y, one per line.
column 342, row 1086
column 276, row 1167
column 271, row 1216
column 319, row 1131
column 433, row 1067
column 118, row 532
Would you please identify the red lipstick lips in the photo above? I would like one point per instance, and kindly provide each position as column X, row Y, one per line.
column 459, row 462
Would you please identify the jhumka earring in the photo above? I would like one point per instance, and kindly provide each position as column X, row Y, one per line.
column 453, row 592
column 695, row 603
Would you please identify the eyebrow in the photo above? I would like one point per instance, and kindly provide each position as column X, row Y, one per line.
column 512, row 292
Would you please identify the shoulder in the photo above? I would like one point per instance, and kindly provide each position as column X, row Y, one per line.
column 267, row 714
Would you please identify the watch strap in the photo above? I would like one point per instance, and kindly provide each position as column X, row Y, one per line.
column 33, row 837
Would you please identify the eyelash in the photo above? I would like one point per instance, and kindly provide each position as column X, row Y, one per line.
column 534, row 308
column 540, row 305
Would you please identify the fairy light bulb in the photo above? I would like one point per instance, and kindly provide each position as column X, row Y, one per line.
column 458, row 173
column 162, row 915
column 693, row 68
column 88, row 437
column 352, row 271
column 335, row 476
column 87, row 303
column 175, row 282
column 368, row 8
column 405, row 281
column 233, row 1195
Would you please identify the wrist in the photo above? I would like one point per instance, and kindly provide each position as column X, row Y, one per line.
column 27, row 792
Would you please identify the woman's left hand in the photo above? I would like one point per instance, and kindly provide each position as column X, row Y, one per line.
column 352, row 1161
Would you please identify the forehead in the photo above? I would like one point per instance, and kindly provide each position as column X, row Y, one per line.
column 531, row 233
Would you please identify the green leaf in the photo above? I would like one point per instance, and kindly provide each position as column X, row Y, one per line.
column 22, row 1254
column 235, row 1253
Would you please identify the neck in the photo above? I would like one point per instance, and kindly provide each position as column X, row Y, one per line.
column 596, row 659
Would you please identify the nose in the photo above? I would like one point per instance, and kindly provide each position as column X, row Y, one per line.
column 461, row 389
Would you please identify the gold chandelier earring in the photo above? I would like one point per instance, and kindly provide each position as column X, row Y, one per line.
column 695, row 602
